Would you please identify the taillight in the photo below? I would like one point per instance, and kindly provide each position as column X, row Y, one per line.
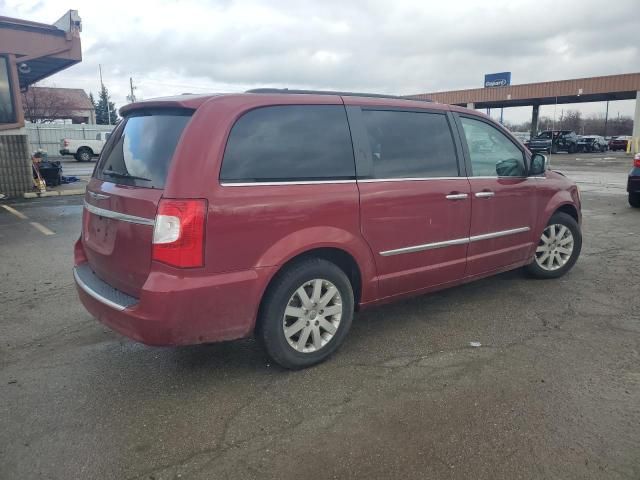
column 636, row 160
column 178, row 234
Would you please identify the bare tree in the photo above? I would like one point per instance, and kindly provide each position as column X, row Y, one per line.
column 44, row 105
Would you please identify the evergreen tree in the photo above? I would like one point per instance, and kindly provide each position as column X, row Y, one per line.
column 93, row 101
column 102, row 111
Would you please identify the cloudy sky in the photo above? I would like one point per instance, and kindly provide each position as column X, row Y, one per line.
column 399, row 47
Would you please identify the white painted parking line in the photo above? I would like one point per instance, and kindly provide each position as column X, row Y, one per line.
column 42, row 229
column 18, row 214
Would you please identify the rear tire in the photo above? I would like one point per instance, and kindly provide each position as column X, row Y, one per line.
column 84, row 155
column 294, row 325
column 558, row 248
column 634, row 199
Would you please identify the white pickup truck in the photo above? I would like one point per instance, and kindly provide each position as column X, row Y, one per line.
column 84, row 150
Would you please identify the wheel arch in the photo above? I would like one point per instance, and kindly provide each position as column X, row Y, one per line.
column 338, row 256
column 569, row 209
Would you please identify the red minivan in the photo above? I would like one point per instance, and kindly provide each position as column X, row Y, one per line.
column 279, row 213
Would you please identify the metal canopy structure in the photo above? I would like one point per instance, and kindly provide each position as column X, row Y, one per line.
column 593, row 89
column 579, row 90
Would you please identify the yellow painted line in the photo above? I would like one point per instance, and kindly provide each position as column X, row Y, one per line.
column 41, row 228
column 18, row 214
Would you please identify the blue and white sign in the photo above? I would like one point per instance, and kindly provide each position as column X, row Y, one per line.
column 501, row 79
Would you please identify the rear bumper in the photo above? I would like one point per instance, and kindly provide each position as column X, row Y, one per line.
column 177, row 310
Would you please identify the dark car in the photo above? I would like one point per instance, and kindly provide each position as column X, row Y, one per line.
column 633, row 183
column 592, row 143
column 280, row 213
column 554, row 141
column 619, row 143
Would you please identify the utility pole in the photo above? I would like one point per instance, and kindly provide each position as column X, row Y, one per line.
column 106, row 97
column 606, row 119
column 132, row 96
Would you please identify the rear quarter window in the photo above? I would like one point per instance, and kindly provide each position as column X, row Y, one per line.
column 289, row 143
column 140, row 150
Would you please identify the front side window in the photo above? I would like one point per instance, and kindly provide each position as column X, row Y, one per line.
column 289, row 143
column 492, row 153
column 410, row 144
column 7, row 112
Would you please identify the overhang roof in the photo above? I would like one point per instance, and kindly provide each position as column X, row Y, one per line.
column 40, row 49
column 592, row 89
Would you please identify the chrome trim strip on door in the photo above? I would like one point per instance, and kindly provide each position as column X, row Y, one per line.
column 410, row 179
column 92, row 293
column 426, row 246
column 275, row 184
column 503, row 233
column 457, row 241
column 123, row 217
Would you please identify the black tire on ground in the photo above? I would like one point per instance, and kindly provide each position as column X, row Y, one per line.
column 634, row 199
column 84, row 155
column 563, row 219
column 270, row 325
column 572, row 148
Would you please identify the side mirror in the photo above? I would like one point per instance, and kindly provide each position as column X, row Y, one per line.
column 538, row 164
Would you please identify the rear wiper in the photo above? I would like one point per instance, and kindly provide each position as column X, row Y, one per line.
column 112, row 173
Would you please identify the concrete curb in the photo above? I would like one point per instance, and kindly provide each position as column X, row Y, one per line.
column 57, row 193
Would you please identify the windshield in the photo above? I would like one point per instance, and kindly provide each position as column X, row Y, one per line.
column 141, row 149
column 544, row 136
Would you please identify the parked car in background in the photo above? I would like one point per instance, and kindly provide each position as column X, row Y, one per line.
column 84, row 150
column 619, row 143
column 280, row 212
column 554, row 141
column 524, row 137
column 592, row 143
column 633, row 183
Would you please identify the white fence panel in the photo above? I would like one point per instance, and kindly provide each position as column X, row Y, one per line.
column 47, row 136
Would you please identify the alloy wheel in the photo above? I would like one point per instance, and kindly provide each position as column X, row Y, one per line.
column 312, row 316
column 555, row 247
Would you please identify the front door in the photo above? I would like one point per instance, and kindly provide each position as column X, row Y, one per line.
column 414, row 204
column 503, row 200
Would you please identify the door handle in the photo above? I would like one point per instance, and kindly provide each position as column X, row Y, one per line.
column 485, row 194
column 456, row 196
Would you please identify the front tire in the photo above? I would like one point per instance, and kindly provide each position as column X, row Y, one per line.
column 558, row 248
column 634, row 199
column 306, row 313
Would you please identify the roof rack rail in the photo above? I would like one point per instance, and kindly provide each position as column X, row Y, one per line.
column 330, row 92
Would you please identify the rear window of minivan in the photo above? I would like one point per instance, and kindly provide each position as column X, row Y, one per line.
column 140, row 150
column 289, row 143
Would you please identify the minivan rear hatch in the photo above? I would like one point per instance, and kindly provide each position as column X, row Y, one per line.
column 123, row 195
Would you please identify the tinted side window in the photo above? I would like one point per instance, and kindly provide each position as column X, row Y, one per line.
column 293, row 142
column 410, row 144
column 492, row 153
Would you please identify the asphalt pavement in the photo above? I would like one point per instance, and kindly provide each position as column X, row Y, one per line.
column 552, row 392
